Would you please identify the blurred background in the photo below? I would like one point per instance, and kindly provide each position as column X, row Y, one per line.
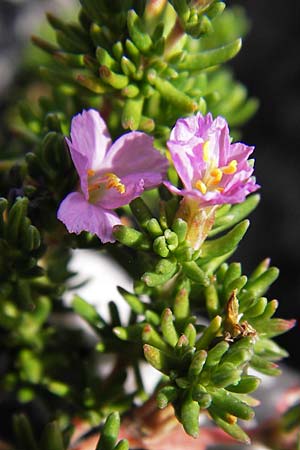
column 269, row 66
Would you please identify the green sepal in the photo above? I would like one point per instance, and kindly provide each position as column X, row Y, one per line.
column 238, row 357
column 154, row 228
column 235, row 214
column 130, row 91
column 232, row 272
column 215, row 353
column 31, row 239
column 225, row 244
column 133, row 51
column 236, row 285
column 268, row 312
column 109, row 433
column 195, row 273
column 115, row 320
column 44, row 45
column 74, row 44
column 212, row 265
column 209, row 58
column 291, row 419
column 173, row 95
column 197, row 364
column 257, row 287
column 105, row 59
column 131, row 333
column 139, row 37
column 180, row 228
column 31, row 367
column 147, row 124
column 160, row 246
column 127, row 66
column 69, row 59
column 268, row 349
column 164, row 271
column 88, row 312
column 122, row 445
column 152, row 337
column 232, row 429
column 57, row 387
column 16, row 216
column 171, row 239
column 247, row 384
column 133, row 301
column 167, row 327
column 191, row 333
column 132, row 112
column 130, row 237
column 166, row 395
column 225, row 374
column 113, row 79
column 228, row 402
column 273, row 327
column 92, row 83
column 209, row 333
column 52, row 438
column 23, row 432
column 158, row 359
column 152, row 317
column 189, row 415
column 141, row 212
column 212, row 300
column 181, row 302
column 264, row 366
column 118, row 50
column 200, row 395
column 184, row 253
column 260, row 269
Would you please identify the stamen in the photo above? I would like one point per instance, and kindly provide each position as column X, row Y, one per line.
column 217, row 175
column 90, row 172
column 93, row 187
column 201, row 186
column 206, row 151
column 113, row 181
column 230, row 168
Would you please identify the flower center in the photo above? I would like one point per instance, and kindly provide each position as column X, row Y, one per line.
column 98, row 184
column 213, row 175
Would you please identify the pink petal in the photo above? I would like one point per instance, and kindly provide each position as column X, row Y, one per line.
column 133, row 153
column 218, row 136
column 89, row 143
column 79, row 215
column 112, row 198
column 185, row 144
column 240, row 151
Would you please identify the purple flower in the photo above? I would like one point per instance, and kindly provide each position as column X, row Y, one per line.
column 111, row 175
column 213, row 171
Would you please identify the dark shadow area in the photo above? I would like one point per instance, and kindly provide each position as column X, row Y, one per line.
column 269, row 65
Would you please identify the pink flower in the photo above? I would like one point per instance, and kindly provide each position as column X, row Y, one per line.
column 213, row 171
column 111, row 175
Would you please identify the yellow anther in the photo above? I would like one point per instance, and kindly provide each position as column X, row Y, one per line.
column 201, row 186
column 113, row 181
column 230, row 168
column 206, row 151
column 216, row 174
column 90, row 172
